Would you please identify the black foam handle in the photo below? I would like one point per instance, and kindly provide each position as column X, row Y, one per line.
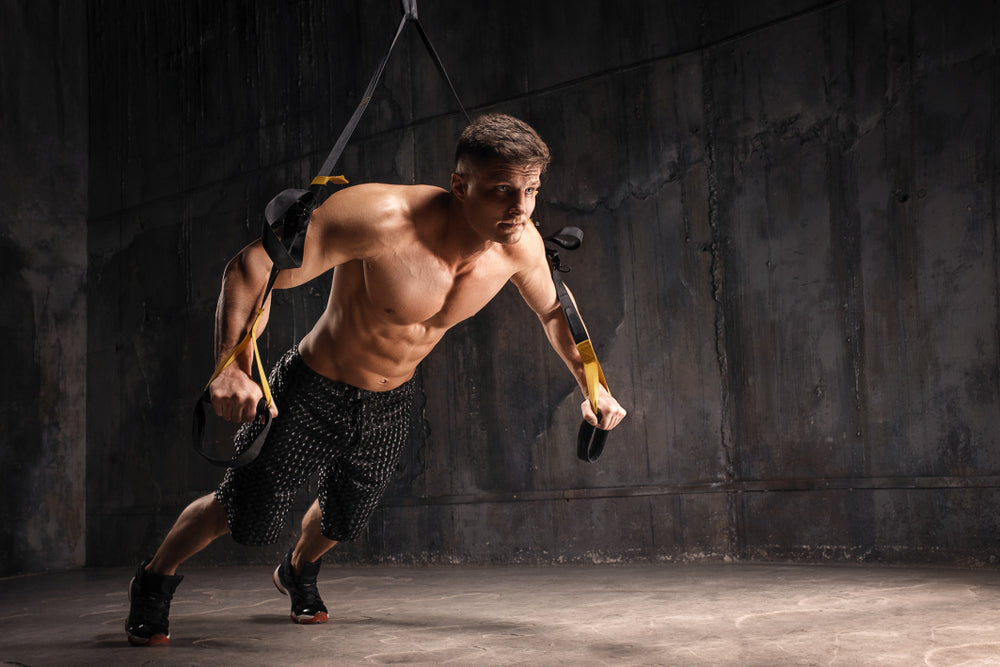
column 198, row 434
column 590, row 441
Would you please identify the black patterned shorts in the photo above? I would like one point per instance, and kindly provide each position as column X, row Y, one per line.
column 351, row 436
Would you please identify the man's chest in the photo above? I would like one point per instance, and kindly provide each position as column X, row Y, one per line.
column 415, row 290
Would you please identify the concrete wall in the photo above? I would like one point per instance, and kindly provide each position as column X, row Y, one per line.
column 790, row 268
column 43, row 266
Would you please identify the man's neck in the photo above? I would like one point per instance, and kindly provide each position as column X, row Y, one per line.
column 460, row 246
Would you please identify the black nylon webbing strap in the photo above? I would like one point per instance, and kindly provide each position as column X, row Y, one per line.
column 590, row 440
column 286, row 221
column 352, row 123
column 409, row 16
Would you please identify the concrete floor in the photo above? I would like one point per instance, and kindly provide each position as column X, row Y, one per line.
column 678, row 615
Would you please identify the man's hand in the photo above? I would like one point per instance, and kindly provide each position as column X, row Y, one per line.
column 235, row 395
column 611, row 412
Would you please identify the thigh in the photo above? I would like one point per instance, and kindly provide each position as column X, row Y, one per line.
column 351, row 487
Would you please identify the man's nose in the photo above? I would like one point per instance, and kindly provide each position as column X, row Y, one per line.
column 519, row 203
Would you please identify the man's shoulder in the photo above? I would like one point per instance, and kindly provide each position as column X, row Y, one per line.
column 387, row 201
column 531, row 244
column 394, row 192
column 528, row 254
column 380, row 205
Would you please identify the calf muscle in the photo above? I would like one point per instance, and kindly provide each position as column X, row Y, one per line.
column 199, row 525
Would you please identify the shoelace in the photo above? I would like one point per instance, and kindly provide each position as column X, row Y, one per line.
column 155, row 609
column 306, row 593
column 309, row 594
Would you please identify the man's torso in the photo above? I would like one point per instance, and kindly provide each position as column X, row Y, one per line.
column 387, row 311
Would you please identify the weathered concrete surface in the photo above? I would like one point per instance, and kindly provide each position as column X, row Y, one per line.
column 790, row 268
column 43, row 265
column 689, row 615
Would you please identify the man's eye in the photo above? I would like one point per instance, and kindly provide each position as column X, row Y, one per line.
column 503, row 188
column 531, row 192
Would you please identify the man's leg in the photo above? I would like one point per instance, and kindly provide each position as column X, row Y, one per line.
column 199, row 525
column 296, row 575
column 312, row 544
column 153, row 586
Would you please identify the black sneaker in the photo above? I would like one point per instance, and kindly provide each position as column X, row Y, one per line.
column 150, row 595
column 307, row 606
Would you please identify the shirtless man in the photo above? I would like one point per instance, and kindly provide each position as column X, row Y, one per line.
column 412, row 261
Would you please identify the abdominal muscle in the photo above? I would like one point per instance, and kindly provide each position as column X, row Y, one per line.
column 377, row 356
column 355, row 343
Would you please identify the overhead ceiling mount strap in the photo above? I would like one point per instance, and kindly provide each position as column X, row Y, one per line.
column 409, row 16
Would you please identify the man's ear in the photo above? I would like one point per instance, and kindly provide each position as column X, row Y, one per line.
column 459, row 187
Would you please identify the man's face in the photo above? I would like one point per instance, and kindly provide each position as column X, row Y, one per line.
column 498, row 198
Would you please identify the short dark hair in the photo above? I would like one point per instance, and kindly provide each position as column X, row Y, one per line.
column 499, row 136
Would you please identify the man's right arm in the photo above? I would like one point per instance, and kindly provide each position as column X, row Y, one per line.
column 536, row 287
column 234, row 393
column 345, row 227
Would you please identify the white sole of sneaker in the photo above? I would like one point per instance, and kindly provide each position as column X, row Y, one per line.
column 277, row 581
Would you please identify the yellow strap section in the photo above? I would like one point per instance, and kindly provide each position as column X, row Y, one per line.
column 592, row 370
column 260, row 372
column 323, row 180
column 251, row 337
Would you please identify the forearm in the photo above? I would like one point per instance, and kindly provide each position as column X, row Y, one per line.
column 239, row 300
column 558, row 333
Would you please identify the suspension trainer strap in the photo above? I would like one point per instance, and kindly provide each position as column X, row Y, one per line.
column 590, row 439
column 409, row 16
column 410, row 8
column 283, row 235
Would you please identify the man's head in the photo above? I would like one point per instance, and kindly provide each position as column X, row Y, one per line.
column 500, row 137
column 498, row 167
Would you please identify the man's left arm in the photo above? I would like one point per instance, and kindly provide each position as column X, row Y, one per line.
column 537, row 289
